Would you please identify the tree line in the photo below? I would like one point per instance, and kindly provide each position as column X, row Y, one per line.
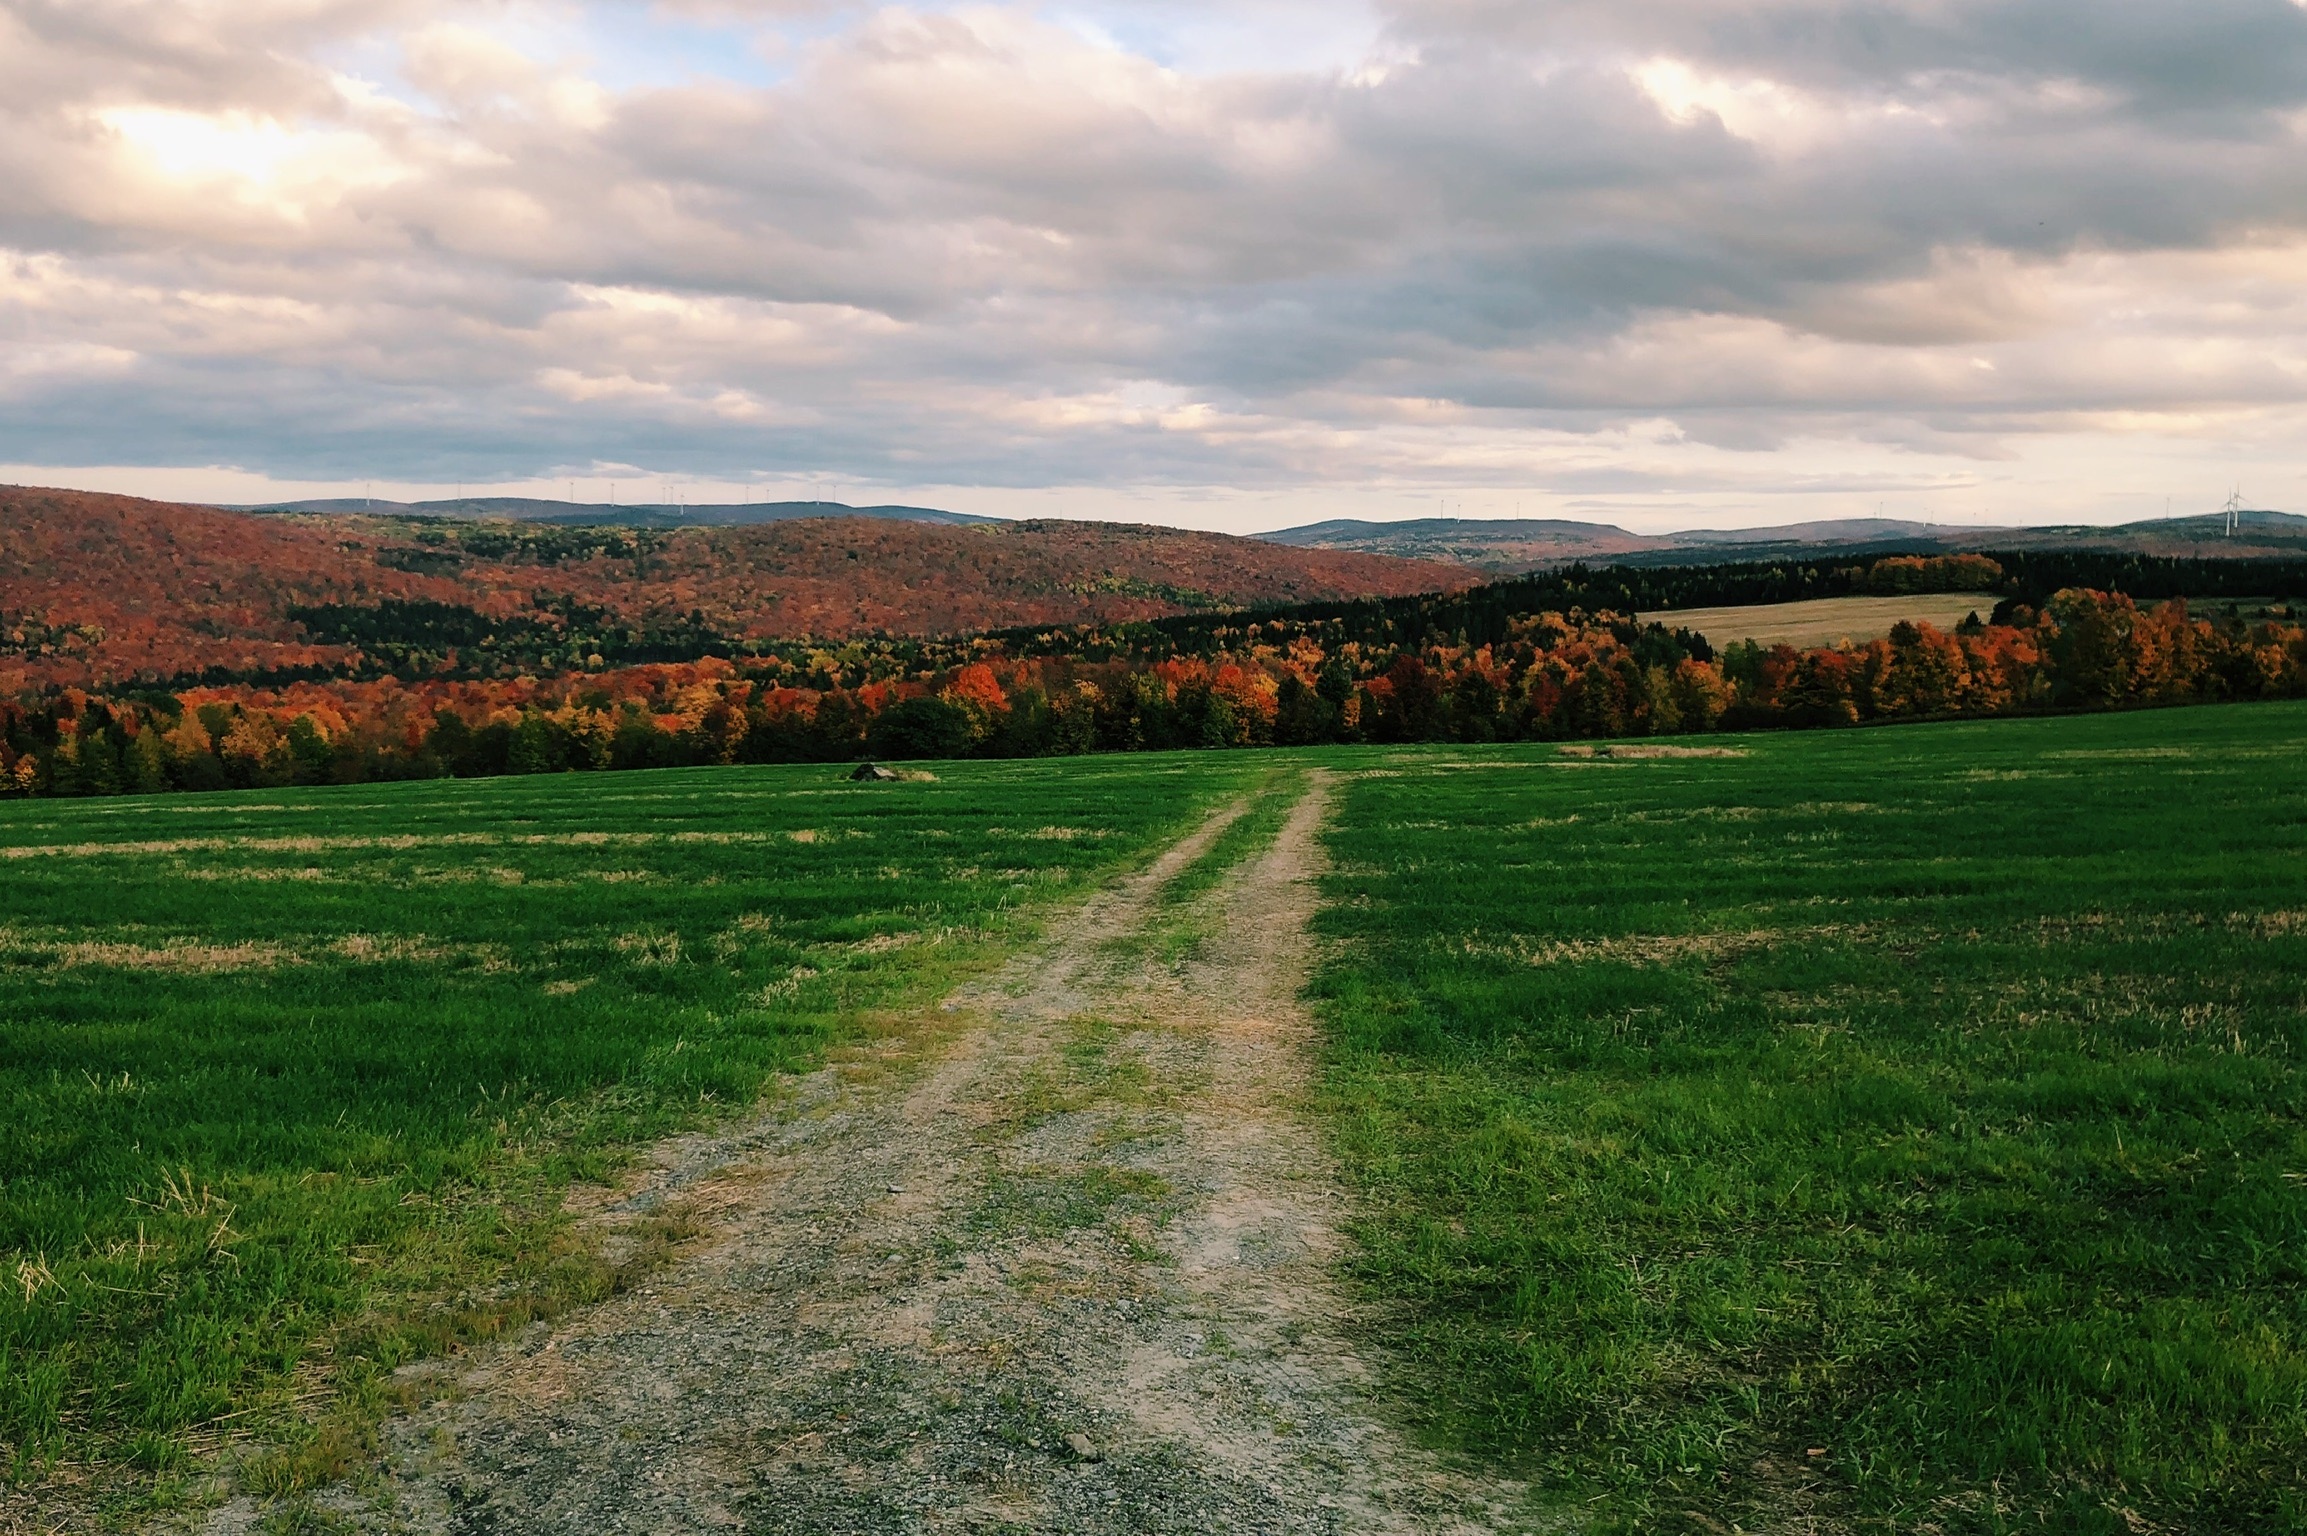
column 1546, row 675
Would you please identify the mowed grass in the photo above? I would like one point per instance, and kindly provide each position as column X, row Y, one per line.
column 1825, row 620
column 1901, row 1128
column 293, row 1081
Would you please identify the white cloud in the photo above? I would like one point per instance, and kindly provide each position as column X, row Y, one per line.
column 1660, row 250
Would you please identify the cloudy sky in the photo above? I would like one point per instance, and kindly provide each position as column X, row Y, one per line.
column 1226, row 263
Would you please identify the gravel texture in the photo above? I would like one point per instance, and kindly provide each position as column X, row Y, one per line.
column 1068, row 1272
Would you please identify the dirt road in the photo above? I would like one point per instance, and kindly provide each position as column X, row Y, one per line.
column 1071, row 1274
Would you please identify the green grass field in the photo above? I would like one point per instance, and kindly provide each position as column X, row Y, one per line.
column 1898, row 1128
column 293, row 1081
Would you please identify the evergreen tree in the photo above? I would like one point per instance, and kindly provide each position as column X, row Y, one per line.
column 148, row 763
column 531, row 750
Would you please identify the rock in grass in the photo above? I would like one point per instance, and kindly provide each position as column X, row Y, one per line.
column 1082, row 1446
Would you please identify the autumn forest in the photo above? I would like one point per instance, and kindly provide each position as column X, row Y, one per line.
column 174, row 648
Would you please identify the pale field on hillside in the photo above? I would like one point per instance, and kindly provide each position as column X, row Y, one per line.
column 1823, row 621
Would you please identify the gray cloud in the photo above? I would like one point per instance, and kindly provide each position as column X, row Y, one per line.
column 2218, row 54
column 974, row 248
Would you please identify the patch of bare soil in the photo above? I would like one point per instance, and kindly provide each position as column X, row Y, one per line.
column 1070, row 1274
column 1643, row 750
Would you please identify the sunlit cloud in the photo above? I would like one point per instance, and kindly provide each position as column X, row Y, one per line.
column 186, row 147
column 1658, row 259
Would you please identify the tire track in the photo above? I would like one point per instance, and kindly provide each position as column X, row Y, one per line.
column 1071, row 1276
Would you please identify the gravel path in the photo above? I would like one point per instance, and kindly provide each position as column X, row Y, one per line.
column 1069, row 1275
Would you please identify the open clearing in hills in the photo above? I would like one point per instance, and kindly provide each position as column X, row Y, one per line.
column 1824, row 620
column 1835, row 1131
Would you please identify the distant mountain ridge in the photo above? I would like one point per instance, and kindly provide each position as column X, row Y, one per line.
column 1512, row 546
column 97, row 590
column 1496, row 547
column 593, row 514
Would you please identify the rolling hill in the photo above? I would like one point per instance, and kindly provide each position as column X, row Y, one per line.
column 1516, row 545
column 100, row 590
column 525, row 509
